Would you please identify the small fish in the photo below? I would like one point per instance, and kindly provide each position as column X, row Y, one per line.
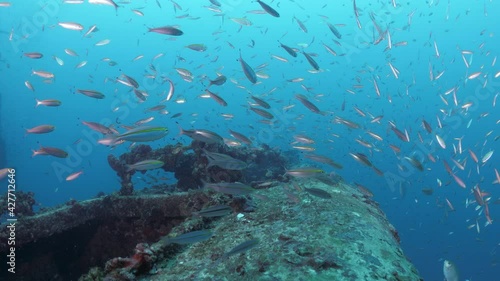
column 145, row 165
column 304, row 172
column 323, row 159
column 214, row 211
column 224, row 161
column 240, row 248
column 441, row 142
column 262, row 112
column 73, row 176
column 29, row 86
column 220, row 80
column 104, row 2
column 311, row 61
column 268, row 9
column 217, row 98
column 91, row 93
column 103, row 42
column 197, row 47
column 318, row 192
column 42, row 129
column 71, row 25
column 205, row 136
column 139, row 134
column 334, row 30
column 33, row 55
column 487, row 156
column 98, row 127
column 56, row 152
column 233, row 188
column 415, row 163
column 48, row 102
column 303, row 99
column 43, row 74
column 249, row 73
column 240, row 137
column 261, row 102
column 189, row 238
column 167, row 30
column 289, row 50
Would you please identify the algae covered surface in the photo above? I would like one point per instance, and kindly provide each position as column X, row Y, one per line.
column 300, row 237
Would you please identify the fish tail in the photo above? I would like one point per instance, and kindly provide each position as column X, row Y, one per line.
column 181, row 131
column 129, row 168
column 37, row 103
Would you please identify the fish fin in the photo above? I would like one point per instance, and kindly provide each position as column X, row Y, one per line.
column 129, row 168
column 181, row 131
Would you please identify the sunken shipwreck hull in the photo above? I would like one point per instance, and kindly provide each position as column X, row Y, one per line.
column 302, row 229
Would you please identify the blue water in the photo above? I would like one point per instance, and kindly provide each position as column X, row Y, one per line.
column 429, row 232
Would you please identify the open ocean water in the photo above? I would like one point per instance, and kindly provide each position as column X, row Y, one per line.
column 384, row 68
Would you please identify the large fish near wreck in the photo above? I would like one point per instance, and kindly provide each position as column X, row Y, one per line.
column 139, row 134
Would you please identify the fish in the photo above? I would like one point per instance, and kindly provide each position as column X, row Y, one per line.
column 305, row 172
column 249, row 73
column 268, row 9
column 262, row 112
column 324, row 159
column 98, row 127
column 139, row 134
column 334, row 30
column 43, row 74
column 440, row 141
column 311, row 61
column 261, row 102
column 53, row 151
column 361, row 158
column 4, row 172
column 301, row 25
column 289, row 50
column 205, row 136
column 131, row 82
column 318, row 193
column 91, row 93
column 50, row 102
column 232, row 188
column 224, row 161
column 166, row 30
column 487, row 156
column 197, row 47
column 189, row 237
column 220, row 80
column 104, row 2
column 33, row 55
column 145, row 165
column 240, row 137
column 74, row 175
column 217, row 98
column 71, row 25
column 42, row 129
column 303, row 99
column 29, row 86
column 450, row 271
column 103, row 42
column 240, row 248
column 171, row 90
column 213, row 211
column 415, row 163
column 215, row 3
